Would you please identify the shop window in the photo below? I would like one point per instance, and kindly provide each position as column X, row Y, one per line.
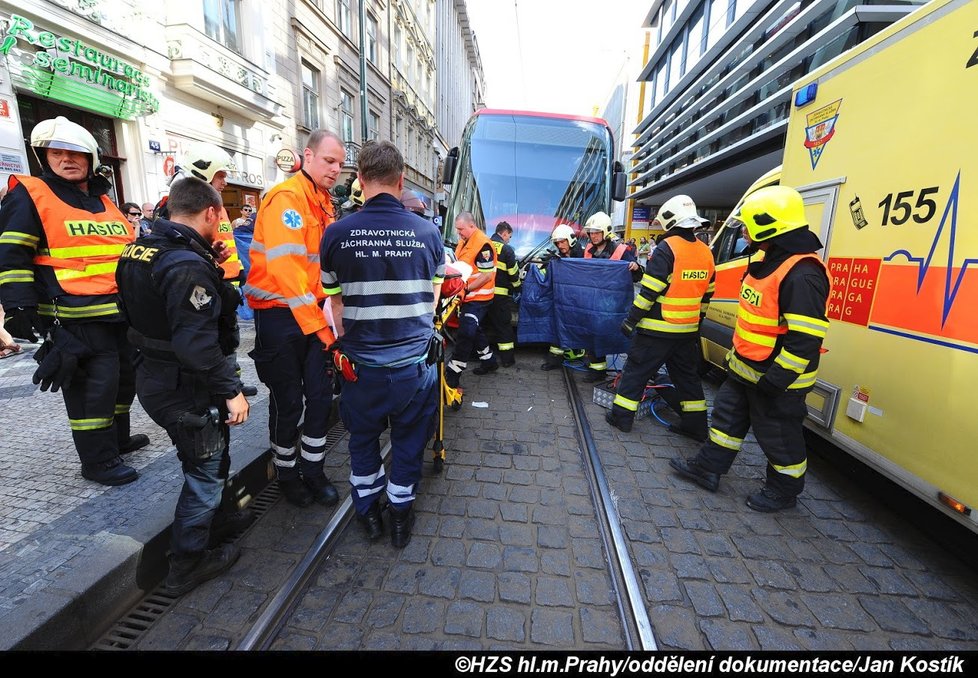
column 221, row 23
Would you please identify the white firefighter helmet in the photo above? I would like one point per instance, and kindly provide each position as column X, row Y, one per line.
column 563, row 232
column 204, row 161
column 62, row 133
column 601, row 222
column 679, row 211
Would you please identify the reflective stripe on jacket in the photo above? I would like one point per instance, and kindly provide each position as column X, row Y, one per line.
column 467, row 251
column 764, row 325
column 678, row 308
column 232, row 266
column 507, row 271
column 285, row 251
column 83, row 248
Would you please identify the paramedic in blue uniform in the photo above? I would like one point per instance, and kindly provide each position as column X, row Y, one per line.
column 382, row 270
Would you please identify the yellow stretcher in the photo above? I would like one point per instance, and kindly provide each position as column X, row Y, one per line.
column 447, row 396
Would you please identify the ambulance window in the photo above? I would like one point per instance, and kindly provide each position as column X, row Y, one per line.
column 731, row 243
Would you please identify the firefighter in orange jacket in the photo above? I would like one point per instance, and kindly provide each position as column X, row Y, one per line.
column 292, row 334
column 475, row 249
column 60, row 241
column 211, row 164
column 780, row 327
column 676, row 289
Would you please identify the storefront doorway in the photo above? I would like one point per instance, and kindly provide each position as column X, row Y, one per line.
column 33, row 111
column 235, row 197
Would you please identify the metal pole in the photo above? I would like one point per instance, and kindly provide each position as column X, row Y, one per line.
column 363, row 74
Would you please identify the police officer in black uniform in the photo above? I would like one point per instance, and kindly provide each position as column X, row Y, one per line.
column 174, row 296
column 499, row 319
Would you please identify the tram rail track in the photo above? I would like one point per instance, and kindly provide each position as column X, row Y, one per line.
column 273, row 619
column 631, row 607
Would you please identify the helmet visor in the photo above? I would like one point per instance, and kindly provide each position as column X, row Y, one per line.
column 62, row 145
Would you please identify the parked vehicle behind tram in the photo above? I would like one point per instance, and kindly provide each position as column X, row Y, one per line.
column 533, row 170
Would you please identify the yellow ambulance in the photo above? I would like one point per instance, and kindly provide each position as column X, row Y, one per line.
column 882, row 142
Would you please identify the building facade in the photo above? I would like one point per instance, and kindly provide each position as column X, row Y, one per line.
column 148, row 81
column 460, row 88
column 718, row 88
column 328, row 88
column 412, row 65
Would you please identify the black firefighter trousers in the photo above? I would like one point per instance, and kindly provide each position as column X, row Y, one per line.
column 101, row 391
column 777, row 422
column 681, row 356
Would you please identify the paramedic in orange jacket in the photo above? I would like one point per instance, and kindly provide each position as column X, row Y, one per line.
column 292, row 334
column 60, row 241
column 475, row 249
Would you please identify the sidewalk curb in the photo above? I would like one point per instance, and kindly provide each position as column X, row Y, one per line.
column 108, row 579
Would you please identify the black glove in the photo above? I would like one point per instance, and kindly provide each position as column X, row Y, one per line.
column 58, row 360
column 765, row 386
column 23, row 322
column 628, row 327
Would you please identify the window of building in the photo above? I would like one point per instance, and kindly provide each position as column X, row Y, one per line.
column 694, row 39
column 346, row 115
column 716, row 20
column 371, row 39
column 409, row 63
column 374, row 131
column 310, row 96
column 399, row 132
column 666, row 16
column 221, row 22
column 740, row 7
column 344, row 18
column 676, row 58
column 396, row 46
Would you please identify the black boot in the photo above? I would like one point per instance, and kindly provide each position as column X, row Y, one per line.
column 322, row 490
column 226, row 525
column 372, row 522
column 620, row 423
column 699, row 436
column 486, row 366
column 553, row 362
column 506, row 359
column 111, row 472
column 186, row 572
column 401, row 524
column 136, row 442
column 691, row 468
column 295, row 491
column 593, row 376
column 769, row 500
column 452, row 377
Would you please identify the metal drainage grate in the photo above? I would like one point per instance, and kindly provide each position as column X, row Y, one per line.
column 127, row 631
